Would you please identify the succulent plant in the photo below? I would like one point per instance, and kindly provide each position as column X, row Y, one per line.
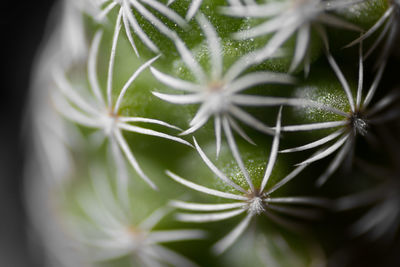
column 282, row 115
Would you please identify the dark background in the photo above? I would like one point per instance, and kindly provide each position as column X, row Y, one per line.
column 22, row 25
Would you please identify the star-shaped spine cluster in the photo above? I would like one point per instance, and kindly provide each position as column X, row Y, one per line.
column 220, row 91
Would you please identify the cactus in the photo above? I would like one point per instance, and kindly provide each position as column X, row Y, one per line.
column 217, row 133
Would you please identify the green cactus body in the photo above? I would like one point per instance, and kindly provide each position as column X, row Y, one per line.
column 193, row 133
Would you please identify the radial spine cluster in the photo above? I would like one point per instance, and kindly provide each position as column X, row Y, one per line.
column 207, row 90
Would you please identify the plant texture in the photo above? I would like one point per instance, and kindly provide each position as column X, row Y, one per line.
column 282, row 115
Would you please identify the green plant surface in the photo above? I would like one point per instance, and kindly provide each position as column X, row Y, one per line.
column 230, row 133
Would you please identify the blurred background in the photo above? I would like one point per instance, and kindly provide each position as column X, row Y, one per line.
column 22, row 26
